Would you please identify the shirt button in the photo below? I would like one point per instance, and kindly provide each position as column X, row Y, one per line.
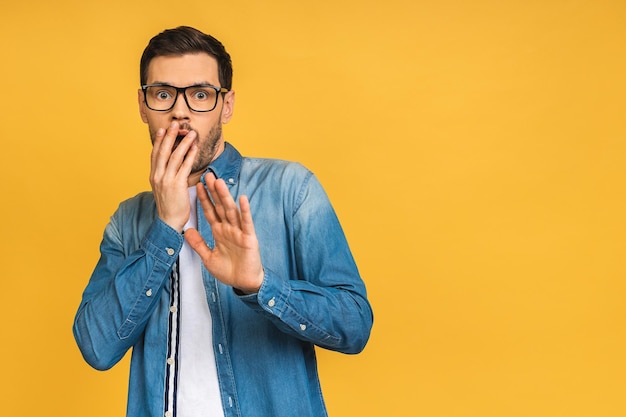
column 231, row 181
column 170, row 251
column 303, row 327
column 271, row 302
column 149, row 293
column 170, row 361
column 168, row 414
column 173, row 309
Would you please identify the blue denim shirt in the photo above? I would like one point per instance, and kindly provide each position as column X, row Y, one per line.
column 312, row 294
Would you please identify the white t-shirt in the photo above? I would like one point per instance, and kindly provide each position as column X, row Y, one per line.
column 198, row 388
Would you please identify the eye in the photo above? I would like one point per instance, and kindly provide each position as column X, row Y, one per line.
column 163, row 95
column 202, row 94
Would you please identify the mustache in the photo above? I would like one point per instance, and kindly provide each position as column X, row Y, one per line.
column 184, row 127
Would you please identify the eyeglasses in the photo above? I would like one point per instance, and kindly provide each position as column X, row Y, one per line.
column 200, row 98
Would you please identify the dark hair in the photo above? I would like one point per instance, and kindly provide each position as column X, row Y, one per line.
column 187, row 40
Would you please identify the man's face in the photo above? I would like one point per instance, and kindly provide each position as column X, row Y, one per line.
column 183, row 71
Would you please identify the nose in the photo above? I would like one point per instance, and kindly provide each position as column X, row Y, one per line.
column 180, row 111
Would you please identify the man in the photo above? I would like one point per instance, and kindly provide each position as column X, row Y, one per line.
column 221, row 303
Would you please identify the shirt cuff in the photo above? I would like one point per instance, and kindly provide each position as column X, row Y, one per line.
column 163, row 242
column 272, row 296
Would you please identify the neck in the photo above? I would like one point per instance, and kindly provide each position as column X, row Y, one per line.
column 195, row 176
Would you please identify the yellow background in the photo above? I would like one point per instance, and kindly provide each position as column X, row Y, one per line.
column 474, row 152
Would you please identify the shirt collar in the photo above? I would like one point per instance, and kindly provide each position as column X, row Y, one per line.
column 226, row 166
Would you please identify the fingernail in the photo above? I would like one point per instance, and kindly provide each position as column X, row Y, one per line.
column 160, row 131
column 192, row 134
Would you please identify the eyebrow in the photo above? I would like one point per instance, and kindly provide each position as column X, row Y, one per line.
column 190, row 85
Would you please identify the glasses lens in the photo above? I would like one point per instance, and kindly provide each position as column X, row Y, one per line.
column 160, row 97
column 201, row 98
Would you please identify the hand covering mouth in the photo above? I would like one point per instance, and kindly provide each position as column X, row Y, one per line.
column 182, row 132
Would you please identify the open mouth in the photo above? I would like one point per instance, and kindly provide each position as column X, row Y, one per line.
column 182, row 133
column 179, row 139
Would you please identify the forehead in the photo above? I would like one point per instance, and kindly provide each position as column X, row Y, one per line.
column 183, row 70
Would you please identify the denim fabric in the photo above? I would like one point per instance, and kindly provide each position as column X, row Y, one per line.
column 312, row 294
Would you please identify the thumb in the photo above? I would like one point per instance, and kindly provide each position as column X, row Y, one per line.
column 197, row 243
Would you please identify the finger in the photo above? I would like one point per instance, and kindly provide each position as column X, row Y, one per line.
column 225, row 204
column 247, row 225
column 218, row 208
column 206, row 203
column 162, row 148
column 230, row 208
column 189, row 160
column 197, row 243
column 182, row 158
column 158, row 139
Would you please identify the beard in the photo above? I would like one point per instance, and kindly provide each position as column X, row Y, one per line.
column 207, row 148
column 208, row 145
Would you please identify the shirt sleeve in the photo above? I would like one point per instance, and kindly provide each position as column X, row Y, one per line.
column 326, row 304
column 123, row 291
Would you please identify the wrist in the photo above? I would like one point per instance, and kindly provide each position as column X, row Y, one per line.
column 176, row 225
column 251, row 290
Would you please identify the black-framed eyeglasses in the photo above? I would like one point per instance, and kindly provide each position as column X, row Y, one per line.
column 199, row 98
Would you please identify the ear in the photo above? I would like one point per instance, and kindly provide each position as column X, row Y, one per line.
column 229, row 106
column 142, row 106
